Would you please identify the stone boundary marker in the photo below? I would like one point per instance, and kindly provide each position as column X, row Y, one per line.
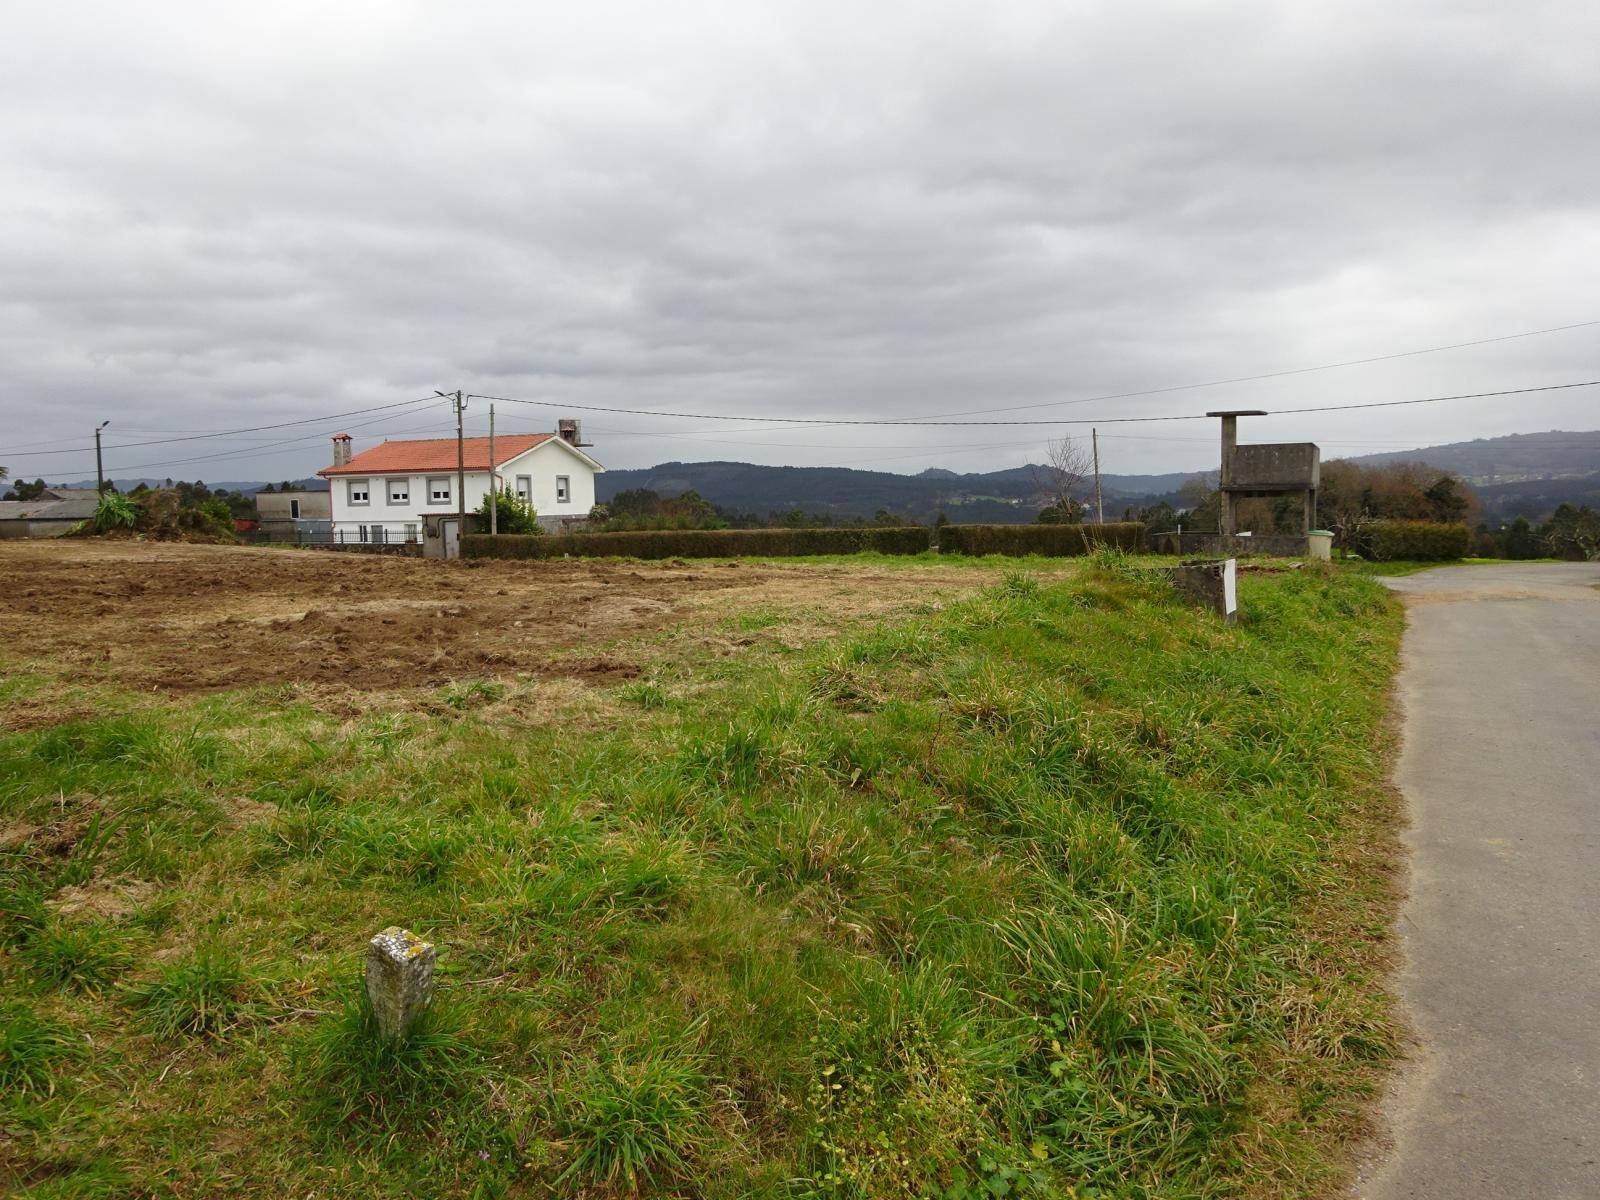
column 1214, row 585
column 399, row 979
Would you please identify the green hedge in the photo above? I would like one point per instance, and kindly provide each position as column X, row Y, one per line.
column 1386, row 541
column 1040, row 539
column 699, row 543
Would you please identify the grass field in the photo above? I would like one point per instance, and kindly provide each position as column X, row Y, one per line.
column 1040, row 885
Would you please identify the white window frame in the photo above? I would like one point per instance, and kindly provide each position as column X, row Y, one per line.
column 525, row 487
column 405, row 490
column 364, row 486
column 563, row 489
column 437, row 495
column 411, row 532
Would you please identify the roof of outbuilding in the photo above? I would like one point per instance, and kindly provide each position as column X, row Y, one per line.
column 436, row 454
column 77, row 509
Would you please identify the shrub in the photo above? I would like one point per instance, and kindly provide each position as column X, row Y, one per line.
column 114, row 511
column 1386, row 541
column 701, row 543
column 512, row 513
column 1054, row 540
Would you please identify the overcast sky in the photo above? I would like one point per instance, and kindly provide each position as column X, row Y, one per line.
column 215, row 216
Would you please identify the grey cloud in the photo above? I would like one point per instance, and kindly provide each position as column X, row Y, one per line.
column 223, row 219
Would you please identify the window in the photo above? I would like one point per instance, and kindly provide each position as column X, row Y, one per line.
column 294, row 510
column 411, row 533
column 439, row 490
column 563, row 489
column 399, row 491
column 524, row 487
column 360, row 491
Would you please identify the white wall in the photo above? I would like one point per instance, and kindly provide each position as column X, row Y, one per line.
column 544, row 462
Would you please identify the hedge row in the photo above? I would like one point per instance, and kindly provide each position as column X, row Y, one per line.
column 1054, row 540
column 1387, row 541
column 699, row 543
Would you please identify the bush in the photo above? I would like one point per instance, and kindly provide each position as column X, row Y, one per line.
column 1054, row 540
column 512, row 513
column 114, row 511
column 700, row 543
column 1429, row 541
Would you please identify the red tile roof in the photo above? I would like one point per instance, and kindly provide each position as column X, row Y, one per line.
column 435, row 454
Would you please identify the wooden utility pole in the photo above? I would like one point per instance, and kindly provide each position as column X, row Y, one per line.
column 494, row 480
column 1099, row 506
column 99, row 468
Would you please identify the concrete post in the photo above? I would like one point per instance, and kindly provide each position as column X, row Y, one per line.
column 1211, row 584
column 1227, row 523
column 399, row 979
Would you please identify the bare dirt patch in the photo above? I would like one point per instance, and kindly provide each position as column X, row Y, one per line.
column 168, row 618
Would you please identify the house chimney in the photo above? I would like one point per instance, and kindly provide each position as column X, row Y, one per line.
column 569, row 430
column 341, row 449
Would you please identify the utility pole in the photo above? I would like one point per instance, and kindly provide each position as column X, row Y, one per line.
column 99, row 467
column 1099, row 505
column 460, row 402
column 461, row 472
column 494, row 481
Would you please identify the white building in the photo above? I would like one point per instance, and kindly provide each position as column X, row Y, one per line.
column 383, row 494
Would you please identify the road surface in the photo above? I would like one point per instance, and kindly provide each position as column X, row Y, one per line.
column 1500, row 768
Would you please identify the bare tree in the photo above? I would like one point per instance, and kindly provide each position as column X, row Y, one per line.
column 1064, row 481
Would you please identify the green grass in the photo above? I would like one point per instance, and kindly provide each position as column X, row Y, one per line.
column 1065, row 886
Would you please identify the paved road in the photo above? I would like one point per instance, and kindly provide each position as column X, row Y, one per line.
column 1501, row 772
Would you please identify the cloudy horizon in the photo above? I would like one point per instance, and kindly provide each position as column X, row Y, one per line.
column 225, row 219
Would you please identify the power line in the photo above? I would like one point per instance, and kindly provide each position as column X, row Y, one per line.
column 1352, row 362
column 1102, row 420
column 219, row 433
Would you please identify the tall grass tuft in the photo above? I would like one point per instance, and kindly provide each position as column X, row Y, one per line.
column 204, row 994
column 634, row 1121
column 30, row 1048
column 355, row 1080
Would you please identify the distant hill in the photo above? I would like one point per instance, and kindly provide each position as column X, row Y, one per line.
column 1527, row 474
column 1554, row 454
column 1002, row 497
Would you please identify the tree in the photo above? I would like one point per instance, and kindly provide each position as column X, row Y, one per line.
column 22, row 490
column 1202, row 500
column 1573, row 532
column 512, row 514
column 1520, row 541
column 1062, row 481
column 1160, row 517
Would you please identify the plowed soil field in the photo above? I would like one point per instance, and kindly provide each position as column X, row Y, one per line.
column 176, row 618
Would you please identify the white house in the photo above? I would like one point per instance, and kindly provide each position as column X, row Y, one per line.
column 383, row 494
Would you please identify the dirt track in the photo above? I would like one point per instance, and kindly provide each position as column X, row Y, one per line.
column 180, row 618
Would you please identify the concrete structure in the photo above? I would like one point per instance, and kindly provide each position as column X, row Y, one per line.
column 285, row 514
column 1267, row 469
column 399, row 980
column 1214, row 585
column 55, row 512
column 386, row 494
column 1317, row 544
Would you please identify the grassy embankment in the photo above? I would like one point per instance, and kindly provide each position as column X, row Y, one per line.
column 1063, row 887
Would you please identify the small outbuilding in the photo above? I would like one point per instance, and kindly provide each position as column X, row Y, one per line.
column 55, row 512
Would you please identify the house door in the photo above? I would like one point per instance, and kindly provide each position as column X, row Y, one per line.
column 450, row 531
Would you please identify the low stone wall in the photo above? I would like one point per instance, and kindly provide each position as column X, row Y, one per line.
column 1217, row 545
